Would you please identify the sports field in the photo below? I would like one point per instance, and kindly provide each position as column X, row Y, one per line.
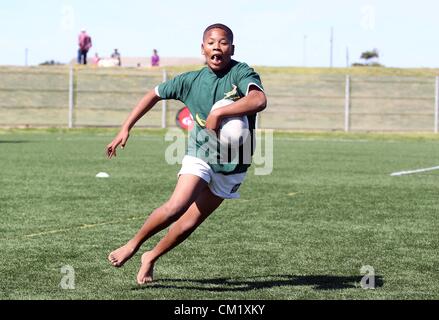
column 304, row 232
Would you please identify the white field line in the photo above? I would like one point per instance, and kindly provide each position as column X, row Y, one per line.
column 404, row 173
column 320, row 140
column 81, row 227
column 99, row 138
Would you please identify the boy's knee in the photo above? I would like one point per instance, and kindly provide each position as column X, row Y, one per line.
column 184, row 228
column 188, row 226
column 174, row 210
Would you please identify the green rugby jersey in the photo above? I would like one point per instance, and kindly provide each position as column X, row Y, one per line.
column 199, row 91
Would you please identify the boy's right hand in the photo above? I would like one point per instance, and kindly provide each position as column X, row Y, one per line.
column 121, row 139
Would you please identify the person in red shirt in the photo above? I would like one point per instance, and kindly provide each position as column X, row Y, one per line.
column 84, row 42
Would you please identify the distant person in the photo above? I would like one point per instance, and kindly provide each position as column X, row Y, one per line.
column 116, row 55
column 84, row 43
column 96, row 59
column 155, row 59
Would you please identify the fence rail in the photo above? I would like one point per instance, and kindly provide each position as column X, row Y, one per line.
column 103, row 97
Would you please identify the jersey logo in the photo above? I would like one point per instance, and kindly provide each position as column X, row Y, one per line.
column 201, row 122
column 232, row 95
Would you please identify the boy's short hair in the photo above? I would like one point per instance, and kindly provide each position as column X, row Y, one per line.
column 221, row 26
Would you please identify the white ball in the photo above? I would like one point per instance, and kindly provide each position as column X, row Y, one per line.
column 232, row 128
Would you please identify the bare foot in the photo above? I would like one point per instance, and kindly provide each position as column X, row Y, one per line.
column 118, row 257
column 146, row 271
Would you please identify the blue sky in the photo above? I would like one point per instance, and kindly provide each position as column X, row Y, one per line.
column 266, row 32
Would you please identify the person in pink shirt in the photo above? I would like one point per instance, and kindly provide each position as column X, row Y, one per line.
column 155, row 59
column 84, row 42
column 96, row 59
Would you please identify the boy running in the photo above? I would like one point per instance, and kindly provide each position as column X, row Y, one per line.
column 202, row 184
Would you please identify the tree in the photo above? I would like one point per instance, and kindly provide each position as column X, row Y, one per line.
column 370, row 59
column 369, row 55
column 51, row 63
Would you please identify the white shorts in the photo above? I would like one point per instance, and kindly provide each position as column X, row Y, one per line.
column 223, row 186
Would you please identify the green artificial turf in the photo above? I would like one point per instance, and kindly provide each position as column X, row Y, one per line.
column 329, row 207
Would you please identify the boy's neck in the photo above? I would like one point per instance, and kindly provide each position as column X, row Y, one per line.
column 223, row 71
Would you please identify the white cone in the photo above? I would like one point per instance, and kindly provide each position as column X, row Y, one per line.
column 102, row 175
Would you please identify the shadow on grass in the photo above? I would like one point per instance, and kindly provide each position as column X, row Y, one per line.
column 317, row 282
column 13, row 141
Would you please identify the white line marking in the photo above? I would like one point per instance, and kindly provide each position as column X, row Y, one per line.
column 81, row 227
column 320, row 140
column 403, row 173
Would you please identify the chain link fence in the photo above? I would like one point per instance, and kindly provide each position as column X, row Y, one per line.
column 92, row 97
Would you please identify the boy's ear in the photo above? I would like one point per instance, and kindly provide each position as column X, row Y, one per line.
column 233, row 49
column 202, row 50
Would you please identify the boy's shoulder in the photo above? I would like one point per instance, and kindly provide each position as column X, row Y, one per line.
column 242, row 69
column 240, row 65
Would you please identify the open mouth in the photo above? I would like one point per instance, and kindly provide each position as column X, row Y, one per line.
column 217, row 58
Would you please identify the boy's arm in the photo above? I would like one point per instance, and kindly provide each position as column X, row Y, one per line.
column 147, row 102
column 254, row 102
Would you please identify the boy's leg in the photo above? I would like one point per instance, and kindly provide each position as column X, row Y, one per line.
column 204, row 205
column 188, row 188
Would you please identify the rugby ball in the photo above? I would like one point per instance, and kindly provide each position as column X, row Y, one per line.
column 233, row 130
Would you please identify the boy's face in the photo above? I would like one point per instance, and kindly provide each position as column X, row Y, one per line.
column 218, row 49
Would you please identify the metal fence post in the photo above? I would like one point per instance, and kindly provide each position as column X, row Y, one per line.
column 436, row 107
column 347, row 105
column 164, row 103
column 71, row 95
